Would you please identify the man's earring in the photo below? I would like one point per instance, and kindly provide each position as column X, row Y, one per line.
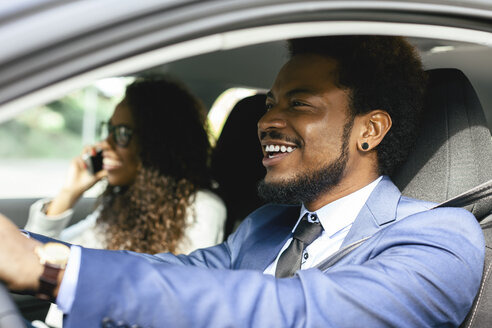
column 365, row 146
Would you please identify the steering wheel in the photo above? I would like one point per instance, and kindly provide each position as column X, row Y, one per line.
column 9, row 314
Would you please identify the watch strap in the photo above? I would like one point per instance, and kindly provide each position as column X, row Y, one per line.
column 48, row 282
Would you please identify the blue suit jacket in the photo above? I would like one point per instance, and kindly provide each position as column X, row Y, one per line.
column 418, row 268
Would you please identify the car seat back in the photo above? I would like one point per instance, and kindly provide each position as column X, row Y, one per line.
column 453, row 154
column 454, row 148
column 480, row 315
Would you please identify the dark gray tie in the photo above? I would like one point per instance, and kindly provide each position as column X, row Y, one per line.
column 290, row 260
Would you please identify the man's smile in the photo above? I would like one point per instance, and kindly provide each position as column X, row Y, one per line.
column 276, row 146
column 275, row 151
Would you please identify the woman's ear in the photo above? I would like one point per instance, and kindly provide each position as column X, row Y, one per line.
column 374, row 126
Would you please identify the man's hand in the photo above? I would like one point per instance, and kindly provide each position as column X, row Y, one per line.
column 20, row 268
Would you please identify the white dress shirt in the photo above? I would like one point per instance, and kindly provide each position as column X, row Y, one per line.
column 336, row 219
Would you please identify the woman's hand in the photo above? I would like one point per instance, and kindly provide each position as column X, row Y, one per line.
column 79, row 179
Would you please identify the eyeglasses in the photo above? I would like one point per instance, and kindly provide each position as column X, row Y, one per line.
column 122, row 134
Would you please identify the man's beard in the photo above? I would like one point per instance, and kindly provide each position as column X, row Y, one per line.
column 309, row 186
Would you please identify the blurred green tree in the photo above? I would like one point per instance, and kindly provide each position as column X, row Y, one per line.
column 56, row 130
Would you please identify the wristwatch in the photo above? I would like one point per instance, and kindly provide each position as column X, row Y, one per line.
column 54, row 257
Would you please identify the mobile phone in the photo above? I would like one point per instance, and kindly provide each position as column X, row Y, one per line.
column 94, row 162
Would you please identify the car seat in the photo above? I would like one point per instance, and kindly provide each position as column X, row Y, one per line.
column 236, row 160
column 453, row 154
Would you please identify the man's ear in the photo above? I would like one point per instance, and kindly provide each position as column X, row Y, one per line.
column 373, row 127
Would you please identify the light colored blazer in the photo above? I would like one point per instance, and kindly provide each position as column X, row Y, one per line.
column 205, row 227
column 418, row 268
column 205, row 224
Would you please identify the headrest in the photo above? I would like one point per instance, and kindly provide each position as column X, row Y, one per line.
column 236, row 160
column 238, row 146
column 454, row 148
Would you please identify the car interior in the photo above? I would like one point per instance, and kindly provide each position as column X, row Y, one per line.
column 452, row 155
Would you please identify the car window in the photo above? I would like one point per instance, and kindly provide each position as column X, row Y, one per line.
column 38, row 144
column 223, row 105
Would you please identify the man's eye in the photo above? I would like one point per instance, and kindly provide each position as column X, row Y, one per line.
column 268, row 106
column 297, row 103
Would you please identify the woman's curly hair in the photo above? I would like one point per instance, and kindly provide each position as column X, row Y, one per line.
column 381, row 72
column 170, row 131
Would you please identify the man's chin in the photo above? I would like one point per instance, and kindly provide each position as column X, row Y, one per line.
column 305, row 187
column 274, row 181
column 281, row 176
column 276, row 192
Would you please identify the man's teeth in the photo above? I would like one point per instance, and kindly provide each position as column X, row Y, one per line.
column 277, row 148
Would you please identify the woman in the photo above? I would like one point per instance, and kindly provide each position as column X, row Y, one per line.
column 155, row 160
column 157, row 198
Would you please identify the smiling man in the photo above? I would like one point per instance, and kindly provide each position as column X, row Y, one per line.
column 333, row 105
column 341, row 116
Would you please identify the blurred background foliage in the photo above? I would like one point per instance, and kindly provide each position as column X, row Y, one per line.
column 60, row 129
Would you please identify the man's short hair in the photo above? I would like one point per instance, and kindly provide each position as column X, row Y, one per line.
column 381, row 72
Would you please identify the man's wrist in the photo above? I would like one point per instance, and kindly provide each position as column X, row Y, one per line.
column 53, row 257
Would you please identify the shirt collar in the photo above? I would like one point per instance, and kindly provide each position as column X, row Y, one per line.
column 339, row 214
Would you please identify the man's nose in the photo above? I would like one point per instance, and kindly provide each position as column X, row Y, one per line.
column 272, row 119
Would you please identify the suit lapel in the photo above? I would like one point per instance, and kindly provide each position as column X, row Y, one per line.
column 264, row 244
column 380, row 209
